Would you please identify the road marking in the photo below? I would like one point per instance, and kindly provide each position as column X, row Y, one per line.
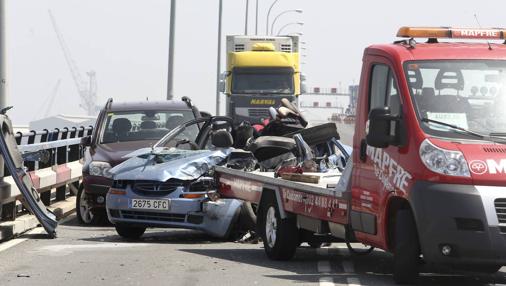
column 71, row 247
column 326, row 281
column 352, row 281
column 323, row 266
column 13, row 242
column 348, row 266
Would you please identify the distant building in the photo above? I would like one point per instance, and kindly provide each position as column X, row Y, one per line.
column 60, row 121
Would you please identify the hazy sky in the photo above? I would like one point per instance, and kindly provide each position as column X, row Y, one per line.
column 126, row 43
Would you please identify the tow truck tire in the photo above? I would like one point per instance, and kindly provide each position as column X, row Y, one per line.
column 407, row 249
column 130, row 232
column 84, row 214
column 280, row 236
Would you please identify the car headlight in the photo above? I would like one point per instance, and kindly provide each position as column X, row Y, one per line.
column 100, row 169
column 446, row 162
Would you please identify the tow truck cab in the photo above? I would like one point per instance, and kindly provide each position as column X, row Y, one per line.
column 430, row 142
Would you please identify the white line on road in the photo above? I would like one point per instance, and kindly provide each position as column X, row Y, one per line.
column 13, row 242
column 326, row 281
column 323, row 266
column 103, row 245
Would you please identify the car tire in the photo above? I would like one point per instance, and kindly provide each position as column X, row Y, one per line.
column 130, row 232
column 280, row 236
column 407, row 249
column 83, row 211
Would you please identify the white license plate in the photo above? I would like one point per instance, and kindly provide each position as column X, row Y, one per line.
column 150, row 204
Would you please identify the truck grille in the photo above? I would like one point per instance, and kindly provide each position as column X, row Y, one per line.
column 287, row 48
column 500, row 209
column 154, row 188
column 140, row 215
column 258, row 112
column 494, row 149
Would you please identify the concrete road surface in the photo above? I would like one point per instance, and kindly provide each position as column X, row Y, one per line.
column 97, row 256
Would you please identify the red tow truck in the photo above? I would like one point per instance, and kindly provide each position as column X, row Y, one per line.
column 427, row 177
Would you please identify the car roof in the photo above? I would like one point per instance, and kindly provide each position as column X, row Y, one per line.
column 440, row 51
column 149, row 105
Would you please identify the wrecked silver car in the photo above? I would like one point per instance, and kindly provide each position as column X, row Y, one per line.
column 172, row 185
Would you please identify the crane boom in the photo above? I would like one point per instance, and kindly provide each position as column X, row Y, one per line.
column 87, row 90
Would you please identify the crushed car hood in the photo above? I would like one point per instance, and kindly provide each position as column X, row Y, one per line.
column 161, row 164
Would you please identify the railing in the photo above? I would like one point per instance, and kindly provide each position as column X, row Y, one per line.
column 56, row 176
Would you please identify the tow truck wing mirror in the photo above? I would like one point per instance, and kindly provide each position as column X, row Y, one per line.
column 382, row 130
column 223, row 81
column 86, row 141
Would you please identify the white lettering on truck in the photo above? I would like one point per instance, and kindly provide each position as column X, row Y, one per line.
column 491, row 166
column 389, row 172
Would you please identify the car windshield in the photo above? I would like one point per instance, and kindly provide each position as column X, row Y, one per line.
column 262, row 80
column 469, row 94
column 123, row 126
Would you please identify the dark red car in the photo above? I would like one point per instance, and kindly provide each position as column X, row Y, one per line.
column 122, row 128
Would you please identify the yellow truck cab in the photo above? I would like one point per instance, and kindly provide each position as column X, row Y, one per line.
column 260, row 72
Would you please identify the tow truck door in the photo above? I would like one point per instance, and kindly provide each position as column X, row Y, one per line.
column 372, row 179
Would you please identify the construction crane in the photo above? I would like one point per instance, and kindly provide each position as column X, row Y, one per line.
column 87, row 89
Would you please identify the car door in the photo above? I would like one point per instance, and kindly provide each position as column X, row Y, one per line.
column 375, row 168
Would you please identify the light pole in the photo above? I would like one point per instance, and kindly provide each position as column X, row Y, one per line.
column 290, row 24
column 282, row 13
column 3, row 57
column 246, row 18
column 218, row 65
column 268, row 14
column 256, row 19
column 170, row 76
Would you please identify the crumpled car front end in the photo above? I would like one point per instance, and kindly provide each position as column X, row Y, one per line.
column 171, row 188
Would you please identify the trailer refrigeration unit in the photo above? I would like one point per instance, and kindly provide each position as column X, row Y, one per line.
column 260, row 71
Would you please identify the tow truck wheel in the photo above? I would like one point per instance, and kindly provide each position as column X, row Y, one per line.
column 130, row 232
column 83, row 210
column 280, row 236
column 407, row 249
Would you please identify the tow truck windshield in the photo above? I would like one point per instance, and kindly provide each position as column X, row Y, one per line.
column 468, row 94
column 262, row 80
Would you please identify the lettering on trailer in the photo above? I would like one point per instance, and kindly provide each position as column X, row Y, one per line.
column 388, row 171
column 256, row 101
column 241, row 185
column 476, row 34
column 490, row 166
column 310, row 201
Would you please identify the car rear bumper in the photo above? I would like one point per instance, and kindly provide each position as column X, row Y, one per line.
column 460, row 216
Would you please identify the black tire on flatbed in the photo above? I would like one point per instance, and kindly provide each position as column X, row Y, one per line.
column 283, row 240
column 407, row 249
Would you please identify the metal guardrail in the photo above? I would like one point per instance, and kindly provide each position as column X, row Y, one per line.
column 55, row 178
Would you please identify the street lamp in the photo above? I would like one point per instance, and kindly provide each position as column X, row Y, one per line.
column 290, row 24
column 268, row 14
column 282, row 13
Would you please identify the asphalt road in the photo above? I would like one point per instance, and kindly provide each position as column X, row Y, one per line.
column 97, row 256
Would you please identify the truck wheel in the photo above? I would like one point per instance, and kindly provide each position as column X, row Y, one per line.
column 407, row 249
column 280, row 236
column 130, row 232
column 83, row 211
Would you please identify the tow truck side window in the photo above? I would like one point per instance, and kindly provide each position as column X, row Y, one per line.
column 384, row 91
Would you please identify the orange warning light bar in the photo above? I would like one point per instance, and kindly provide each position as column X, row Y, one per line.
column 452, row 33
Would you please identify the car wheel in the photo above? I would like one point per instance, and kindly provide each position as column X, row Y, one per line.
column 130, row 232
column 280, row 236
column 83, row 210
column 407, row 249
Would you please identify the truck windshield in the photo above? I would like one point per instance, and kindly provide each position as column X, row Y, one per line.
column 469, row 94
column 262, row 80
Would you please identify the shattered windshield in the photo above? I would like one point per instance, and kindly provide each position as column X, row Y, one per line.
column 262, row 80
column 469, row 94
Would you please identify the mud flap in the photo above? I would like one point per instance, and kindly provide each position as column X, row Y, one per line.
column 14, row 163
column 220, row 216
